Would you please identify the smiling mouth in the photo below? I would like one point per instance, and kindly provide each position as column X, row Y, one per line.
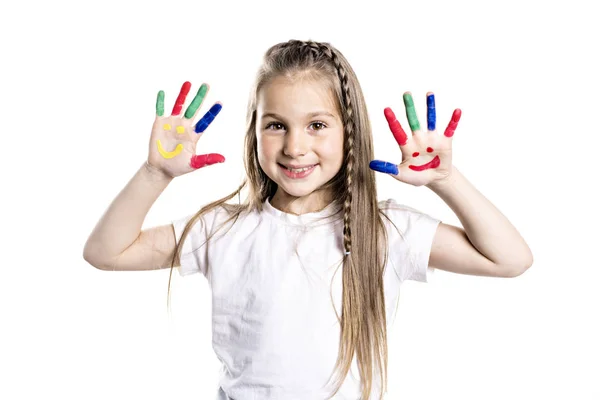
column 431, row 164
column 168, row 154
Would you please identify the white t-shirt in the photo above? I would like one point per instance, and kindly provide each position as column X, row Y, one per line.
column 273, row 324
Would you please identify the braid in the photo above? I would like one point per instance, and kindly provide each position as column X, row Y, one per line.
column 308, row 49
column 350, row 129
column 314, row 51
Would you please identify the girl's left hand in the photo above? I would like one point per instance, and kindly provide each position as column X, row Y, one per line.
column 426, row 156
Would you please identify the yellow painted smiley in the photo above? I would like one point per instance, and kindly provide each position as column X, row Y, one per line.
column 178, row 148
column 168, row 154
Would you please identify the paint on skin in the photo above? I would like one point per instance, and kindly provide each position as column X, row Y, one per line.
column 431, row 112
column 395, row 126
column 431, row 164
column 411, row 114
column 208, row 118
column 193, row 107
column 180, row 129
column 203, row 160
column 167, row 127
column 453, row 123
column 185, row 89
column 168, row 154
column 382, row 166
column 416, row 153
column 160, row 103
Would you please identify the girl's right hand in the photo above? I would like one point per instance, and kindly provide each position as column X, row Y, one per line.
column 173, row 139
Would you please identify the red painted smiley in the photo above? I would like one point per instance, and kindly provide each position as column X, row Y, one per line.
column 431, row 164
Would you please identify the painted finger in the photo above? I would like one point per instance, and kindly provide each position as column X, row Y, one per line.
column 395, row 127
column 208, row 118
column 453, row 123
column 383, row 166
column 195, row 104
column 160, row 103
column 185, row 89
column 411, row 114
column 430, row 112
column 203, row 160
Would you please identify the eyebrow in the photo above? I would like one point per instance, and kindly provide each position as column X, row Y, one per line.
column 309, row 115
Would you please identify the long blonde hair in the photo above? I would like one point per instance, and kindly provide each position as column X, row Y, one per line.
column 363, row 320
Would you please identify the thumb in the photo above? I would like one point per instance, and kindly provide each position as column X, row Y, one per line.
column 383, row 166
column 202, row 160
column 387, row 168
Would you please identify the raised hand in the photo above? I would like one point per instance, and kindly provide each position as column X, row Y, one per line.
column 426, row 156
column 174, row 138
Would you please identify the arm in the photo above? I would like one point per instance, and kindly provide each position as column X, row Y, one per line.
column 489, row 245
column 116, row 242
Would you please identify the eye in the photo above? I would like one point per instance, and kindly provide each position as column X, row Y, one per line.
column 320, row 124
column 277, row 126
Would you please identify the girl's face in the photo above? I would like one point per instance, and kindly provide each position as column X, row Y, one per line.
column 298, row 124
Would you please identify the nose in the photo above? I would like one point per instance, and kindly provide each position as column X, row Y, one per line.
column 296, row 143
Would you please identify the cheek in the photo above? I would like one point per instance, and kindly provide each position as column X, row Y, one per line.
column 267, row 152
column 261, row 144
column 260, row 151
column 332, row 150
column 263, row 147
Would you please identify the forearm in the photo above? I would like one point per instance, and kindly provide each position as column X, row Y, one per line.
column 488, row 230
column 122, row 222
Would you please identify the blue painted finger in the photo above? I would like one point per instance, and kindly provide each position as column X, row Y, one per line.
column 205, row 121
column 382, row 166
column 431, row 112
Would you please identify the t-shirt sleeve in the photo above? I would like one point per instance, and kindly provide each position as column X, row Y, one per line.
column 410, row 248
column 194, row 255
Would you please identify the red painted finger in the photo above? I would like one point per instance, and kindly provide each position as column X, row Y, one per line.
column 203, row 160
column 395, row 127
column 453, row 123
column 185, row 89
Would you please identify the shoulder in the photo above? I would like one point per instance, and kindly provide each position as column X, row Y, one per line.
column 405, row 217
column 208, row 220
column 410, row 237
column 408, row 225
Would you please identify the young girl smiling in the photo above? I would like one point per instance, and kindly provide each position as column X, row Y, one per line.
column 285, row 317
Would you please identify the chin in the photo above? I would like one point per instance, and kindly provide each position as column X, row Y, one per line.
column 295, row 191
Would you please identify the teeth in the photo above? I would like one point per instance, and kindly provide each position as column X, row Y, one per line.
column 299, row 170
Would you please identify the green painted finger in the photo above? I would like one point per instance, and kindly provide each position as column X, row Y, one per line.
column 411, row 114
column 191, row 110
column 160, row 103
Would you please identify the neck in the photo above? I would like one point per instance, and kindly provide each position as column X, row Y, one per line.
column 313, row 202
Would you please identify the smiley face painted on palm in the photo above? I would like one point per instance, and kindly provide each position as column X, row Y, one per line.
column 423, row 151
column 431, row 164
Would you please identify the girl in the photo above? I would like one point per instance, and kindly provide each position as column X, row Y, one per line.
column 284, row 319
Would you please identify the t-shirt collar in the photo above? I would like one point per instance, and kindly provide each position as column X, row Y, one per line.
column 320, row 217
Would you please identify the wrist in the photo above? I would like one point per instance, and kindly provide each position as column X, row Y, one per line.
column 446, row 182
column 155, row 174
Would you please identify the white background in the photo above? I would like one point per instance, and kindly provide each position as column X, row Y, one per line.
column 78, row 91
